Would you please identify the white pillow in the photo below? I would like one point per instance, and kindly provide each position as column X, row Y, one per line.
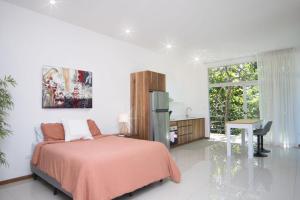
column 39, row 137
column 76, row 129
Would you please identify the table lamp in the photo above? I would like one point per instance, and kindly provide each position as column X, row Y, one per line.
column 123, row 123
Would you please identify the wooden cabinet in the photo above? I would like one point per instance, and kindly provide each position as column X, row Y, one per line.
column 199, row 128
column 189, row 130
column 157, row 81
column 141, row 83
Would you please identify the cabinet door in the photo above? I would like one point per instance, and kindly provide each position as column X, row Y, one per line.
column 153, row 86
column 202, row 127
column 182, row 139
column 173, row 123
column 157, row 82
column 184, row 123
column 185, row 131
column 191, row 137
column 198, row 128
column 139, row 103
column 161, row 82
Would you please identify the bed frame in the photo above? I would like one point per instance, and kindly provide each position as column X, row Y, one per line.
column 56, row 185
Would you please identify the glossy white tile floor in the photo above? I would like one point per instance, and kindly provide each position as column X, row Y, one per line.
column 206, row 174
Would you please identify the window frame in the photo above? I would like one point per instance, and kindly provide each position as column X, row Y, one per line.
column 243, row 84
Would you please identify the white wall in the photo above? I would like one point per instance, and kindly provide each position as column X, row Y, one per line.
column 190, row 89
column 29, row 40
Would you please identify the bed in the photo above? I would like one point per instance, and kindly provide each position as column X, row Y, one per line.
column 103, row 168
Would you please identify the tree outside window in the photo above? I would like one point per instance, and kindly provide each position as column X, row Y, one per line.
column 233, row 94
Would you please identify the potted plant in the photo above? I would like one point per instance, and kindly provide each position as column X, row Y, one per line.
column 6, row 104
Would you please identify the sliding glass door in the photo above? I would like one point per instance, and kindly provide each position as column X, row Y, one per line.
column 233, row 94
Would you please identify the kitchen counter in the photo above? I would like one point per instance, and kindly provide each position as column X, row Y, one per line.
column 183, row 117
column 187, row 129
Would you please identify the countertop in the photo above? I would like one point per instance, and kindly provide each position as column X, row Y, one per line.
column 183, row 117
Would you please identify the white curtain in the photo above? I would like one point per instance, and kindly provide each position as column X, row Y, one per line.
column 277, row 88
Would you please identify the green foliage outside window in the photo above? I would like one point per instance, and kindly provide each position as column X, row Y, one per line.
column 227, row 99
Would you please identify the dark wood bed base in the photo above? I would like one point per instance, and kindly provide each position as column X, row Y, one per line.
column 57, row 186
column 36, row 172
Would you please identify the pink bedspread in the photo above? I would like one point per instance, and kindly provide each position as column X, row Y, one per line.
column 106, row 167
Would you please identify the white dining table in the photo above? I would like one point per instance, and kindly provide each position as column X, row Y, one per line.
column 248, row 125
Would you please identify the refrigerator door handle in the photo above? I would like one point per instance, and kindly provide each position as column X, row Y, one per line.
column 161, row 110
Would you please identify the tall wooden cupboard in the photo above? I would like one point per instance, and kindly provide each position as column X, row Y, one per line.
column 141, row 84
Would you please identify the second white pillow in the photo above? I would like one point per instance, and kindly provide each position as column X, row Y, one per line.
column 76, row 129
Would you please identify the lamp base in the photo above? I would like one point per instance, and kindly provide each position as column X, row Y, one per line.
column 123, row 128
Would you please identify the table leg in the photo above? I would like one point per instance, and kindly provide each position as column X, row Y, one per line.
column 228, row 129
column 243, row 137
column 250, row 142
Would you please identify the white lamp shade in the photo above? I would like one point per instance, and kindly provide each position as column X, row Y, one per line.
column 123, row 117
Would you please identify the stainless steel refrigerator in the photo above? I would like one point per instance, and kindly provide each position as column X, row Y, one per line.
column 159, row 117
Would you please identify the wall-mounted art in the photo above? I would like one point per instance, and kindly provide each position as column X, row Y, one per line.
column 66, row 88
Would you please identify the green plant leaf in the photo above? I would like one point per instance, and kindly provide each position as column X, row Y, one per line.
column 6, row 104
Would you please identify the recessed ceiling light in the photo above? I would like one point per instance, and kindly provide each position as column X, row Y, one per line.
column 196, row 59
column 52, row 2
column 169, row 46
column 128, row 31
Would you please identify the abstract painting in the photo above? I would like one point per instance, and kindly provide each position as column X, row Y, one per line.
column 66, row 88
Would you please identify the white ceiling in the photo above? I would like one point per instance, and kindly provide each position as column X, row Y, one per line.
column 211, row 29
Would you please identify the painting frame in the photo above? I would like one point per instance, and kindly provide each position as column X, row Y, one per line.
column 64, row 87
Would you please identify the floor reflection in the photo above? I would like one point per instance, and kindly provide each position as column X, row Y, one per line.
column 207, row 174
column 237, row 177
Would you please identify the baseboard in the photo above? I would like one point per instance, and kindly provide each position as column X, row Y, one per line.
column 15, row 179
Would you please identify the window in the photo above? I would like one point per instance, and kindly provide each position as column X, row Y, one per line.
column 233, row 94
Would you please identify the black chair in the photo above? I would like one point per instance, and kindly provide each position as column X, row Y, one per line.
column 260, row 133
